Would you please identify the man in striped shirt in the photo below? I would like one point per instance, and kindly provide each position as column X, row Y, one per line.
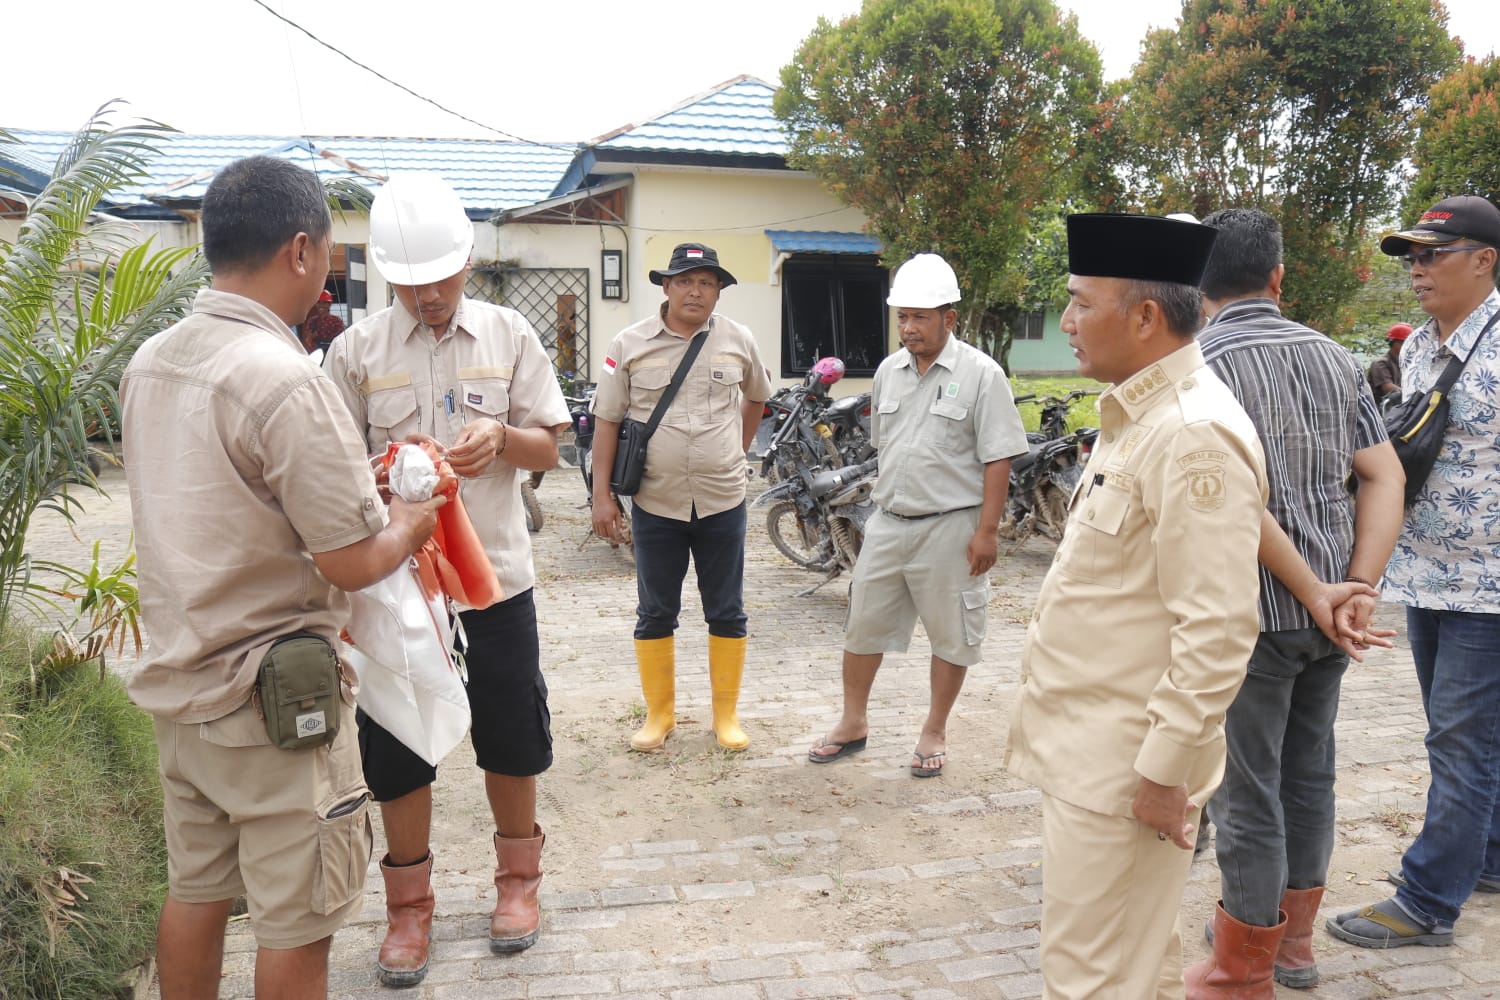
column 1317, row 419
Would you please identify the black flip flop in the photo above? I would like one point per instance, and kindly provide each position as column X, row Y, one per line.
column 923, row 767
column 844, row 750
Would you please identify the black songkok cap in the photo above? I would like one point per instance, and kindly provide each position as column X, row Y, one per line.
column 1139, row 247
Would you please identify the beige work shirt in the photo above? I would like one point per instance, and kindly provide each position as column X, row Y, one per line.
column 240, row 461
column 696, row 459
column 937, row 431
column 1146, row 621
column 396, row 379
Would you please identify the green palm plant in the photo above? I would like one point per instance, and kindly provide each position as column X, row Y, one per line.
column 78, row 295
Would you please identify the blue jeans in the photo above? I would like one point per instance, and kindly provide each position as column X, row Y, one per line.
column 1455, row 654
column 662, row 546
column 1274, row 811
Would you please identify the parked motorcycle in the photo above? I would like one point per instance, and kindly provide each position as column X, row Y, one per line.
column 1043, row 480
column 580, row 409
column 800, row 423
column 817, row 516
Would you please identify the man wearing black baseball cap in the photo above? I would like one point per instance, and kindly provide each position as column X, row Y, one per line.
column 692, row 496
column 1444, row 571
column 1120, row 724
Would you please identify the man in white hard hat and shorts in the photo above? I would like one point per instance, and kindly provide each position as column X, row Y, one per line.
column 946, row 428
column 474, row 378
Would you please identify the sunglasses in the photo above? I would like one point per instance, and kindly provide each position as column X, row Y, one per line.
column 1427, row 255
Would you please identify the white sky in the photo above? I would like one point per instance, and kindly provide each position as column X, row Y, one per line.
column 546, row 71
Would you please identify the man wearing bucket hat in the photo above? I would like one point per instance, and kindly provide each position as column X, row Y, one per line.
column 1444, row 570
column 691, row 500
column 1121, row 723
column 474, row 378
column 947, row 428
column 1385, row 371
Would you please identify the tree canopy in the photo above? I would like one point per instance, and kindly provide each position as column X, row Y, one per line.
column 1303, row 108
column 950, row 124
column 1458, row 138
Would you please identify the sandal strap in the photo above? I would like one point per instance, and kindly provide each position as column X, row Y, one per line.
column 1390, row 922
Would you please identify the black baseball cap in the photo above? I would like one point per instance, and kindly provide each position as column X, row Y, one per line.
column 1467, row 216
column 691, row 257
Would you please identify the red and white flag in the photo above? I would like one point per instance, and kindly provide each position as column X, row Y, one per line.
column 609, row 365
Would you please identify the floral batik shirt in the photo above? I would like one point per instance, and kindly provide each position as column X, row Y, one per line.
column 1448, row 557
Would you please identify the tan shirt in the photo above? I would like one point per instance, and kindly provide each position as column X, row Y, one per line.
column 1146, row 621
column 696, row 459
column 937, row 431
column 240, row 461
column 396, row 379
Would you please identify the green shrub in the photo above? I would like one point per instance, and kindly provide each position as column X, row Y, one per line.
column 83, row 868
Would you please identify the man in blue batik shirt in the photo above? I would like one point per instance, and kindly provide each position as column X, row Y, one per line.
column 1446, row 570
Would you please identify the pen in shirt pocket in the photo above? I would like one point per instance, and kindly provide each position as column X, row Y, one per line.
column 448, row 402
column 1097, row 481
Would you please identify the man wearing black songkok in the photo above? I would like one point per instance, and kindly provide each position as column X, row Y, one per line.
column 1121, row 723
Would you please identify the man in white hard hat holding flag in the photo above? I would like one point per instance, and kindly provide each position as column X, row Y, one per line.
column 474, row 378
column 946, row 427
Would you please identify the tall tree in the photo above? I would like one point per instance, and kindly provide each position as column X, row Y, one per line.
column 1458, row 138
column 949, row 123
column 1303, row 108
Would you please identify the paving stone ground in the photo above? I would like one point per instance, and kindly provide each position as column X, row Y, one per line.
column 696, row 874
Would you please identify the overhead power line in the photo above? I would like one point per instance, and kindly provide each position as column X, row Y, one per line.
column 403, row 87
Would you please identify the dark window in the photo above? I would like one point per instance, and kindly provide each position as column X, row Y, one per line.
column 832, row 305
column 1030, row 326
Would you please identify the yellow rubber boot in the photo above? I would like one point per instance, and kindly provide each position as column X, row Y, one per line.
column 726, row 667
column 657, row 661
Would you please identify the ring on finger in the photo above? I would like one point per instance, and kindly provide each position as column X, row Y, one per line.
column 1160, row 835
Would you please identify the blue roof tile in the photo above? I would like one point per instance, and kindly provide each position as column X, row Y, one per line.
column 488, row 175
column 734, row 118
column 795, row 241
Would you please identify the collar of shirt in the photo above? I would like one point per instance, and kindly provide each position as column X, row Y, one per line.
column 947, row 357
column 1240, row 308
column 232, row 306
column 413, row 323
column 1142, row 391
column 662, row 328
column 1462, row 342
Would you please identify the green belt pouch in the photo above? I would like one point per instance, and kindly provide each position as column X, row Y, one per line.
column 298, row 686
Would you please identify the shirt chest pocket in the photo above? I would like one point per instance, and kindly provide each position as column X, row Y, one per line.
column 647, row 383
column 724, row 388
column 1095, row 538
column 392, row 414
column 948, row 425
column 485, row 397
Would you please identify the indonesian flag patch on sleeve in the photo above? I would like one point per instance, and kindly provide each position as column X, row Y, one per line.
column 609, row 365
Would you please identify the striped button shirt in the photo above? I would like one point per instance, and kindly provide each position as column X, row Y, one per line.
column 1309, row 401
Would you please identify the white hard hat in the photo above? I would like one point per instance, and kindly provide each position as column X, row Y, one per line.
column 419, row 233
column 924, row 282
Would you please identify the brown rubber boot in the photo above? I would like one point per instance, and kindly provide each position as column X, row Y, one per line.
column 517, row 919
column 408, row 922
column 1241, row 965
column 1295, row 965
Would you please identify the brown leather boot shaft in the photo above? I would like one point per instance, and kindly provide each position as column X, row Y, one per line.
column 1241, row 965
column 408, row 922
column 1295, row 965
column 517, row 919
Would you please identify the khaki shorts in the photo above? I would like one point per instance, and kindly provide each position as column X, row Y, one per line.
column 918, row 569
column 288, row 828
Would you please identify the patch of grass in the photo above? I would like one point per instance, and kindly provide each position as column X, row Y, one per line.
column 1083, row 412
column 82, row 855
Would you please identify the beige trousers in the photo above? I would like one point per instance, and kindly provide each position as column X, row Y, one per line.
column 1110, row 896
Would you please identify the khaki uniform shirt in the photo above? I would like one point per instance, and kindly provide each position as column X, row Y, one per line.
column 1146, row 621
column 396, row 379
column 241, row 461
column 936, row 432
column 696, row 459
